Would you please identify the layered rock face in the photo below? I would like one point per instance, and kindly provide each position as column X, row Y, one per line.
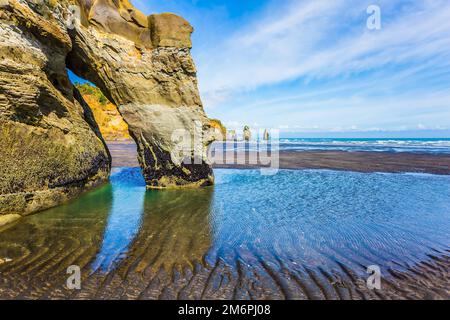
column 50, row 147
column 143, row 65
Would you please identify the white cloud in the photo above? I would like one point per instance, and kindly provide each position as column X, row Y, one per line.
column 346, row 76
column 300, row 40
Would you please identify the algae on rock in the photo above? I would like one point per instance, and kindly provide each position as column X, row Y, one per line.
column 49, row 152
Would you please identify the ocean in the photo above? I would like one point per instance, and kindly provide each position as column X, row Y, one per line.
column 434, row 146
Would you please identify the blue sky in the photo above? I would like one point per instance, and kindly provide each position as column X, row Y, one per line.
column 314, row 66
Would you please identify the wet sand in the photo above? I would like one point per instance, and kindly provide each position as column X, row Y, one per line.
column 124, row 155
column 350, row 161
column 164, row 265
column 170, row 259
column 137, row 280
column 170, row 256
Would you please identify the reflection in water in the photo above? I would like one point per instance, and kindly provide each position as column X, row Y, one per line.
column 175, row 230
column 45, row 244
column 125, row 218
column 167, row 229
column 320, row 218
column 299, row 234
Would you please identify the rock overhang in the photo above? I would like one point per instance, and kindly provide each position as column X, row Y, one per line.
column 121, row 18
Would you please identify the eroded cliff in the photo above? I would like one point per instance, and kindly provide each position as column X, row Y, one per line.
column 143, row 65
column 50, row 149
column 50, row 146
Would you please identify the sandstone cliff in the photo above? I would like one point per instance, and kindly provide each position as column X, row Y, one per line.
column 51, row 148
column 111, row 124
column 221, row 130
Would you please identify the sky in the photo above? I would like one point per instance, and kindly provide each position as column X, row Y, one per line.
column 314, row 66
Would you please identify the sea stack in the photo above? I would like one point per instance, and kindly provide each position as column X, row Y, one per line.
column 231, row 135
column 247, row 133
column 266, row 135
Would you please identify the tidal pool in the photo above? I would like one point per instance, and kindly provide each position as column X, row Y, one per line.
column 299, row 234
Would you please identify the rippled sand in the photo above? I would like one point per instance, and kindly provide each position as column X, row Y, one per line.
column 296, row 235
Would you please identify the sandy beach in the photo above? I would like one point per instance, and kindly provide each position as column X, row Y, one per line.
column 124, row 155
column 295, row 235
column 206, row 244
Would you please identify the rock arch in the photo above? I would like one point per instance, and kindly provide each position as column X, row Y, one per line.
column 148, row 72
column 51, row 149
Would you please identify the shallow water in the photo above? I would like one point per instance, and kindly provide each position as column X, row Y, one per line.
column 297, row 234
